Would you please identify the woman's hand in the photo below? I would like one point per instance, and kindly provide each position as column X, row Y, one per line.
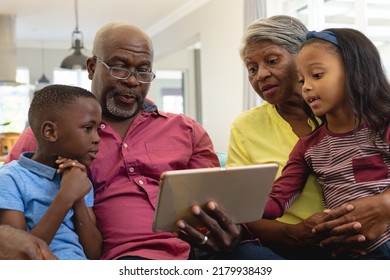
column 369, row 216
column 302, row 233
column 222, row 234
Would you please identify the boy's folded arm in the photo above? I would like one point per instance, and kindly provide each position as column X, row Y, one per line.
column 85, row 225
column 48, row 226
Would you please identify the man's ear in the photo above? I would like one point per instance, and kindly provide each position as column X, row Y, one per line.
column 49, row 131
column 91, row 64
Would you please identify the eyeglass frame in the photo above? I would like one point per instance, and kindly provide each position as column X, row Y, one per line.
column 136, row 73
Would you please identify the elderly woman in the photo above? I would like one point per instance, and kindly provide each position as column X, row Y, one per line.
column 267, row 133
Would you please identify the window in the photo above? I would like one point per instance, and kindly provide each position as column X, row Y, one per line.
column 170, row 88
column 14, row 103
column 72, row 77
column 368, row 16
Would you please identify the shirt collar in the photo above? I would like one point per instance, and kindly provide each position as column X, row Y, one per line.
column 150, row 107
column 36, row 167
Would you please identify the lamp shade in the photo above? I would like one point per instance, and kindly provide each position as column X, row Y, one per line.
column 43, row 79
column 76, row 60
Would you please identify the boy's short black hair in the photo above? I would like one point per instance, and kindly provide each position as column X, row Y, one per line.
column 53, row 101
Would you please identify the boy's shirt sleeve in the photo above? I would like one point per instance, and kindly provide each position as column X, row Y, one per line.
column 89, row 198
column 11, row 190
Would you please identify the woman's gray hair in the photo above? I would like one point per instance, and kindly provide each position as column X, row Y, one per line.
column 285, row 31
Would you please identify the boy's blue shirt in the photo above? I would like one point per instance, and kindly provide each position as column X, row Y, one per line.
column 30, row 187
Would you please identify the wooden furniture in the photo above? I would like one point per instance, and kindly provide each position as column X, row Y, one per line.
column 7, row 140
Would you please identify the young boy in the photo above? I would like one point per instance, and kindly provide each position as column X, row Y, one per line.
column 47, row 192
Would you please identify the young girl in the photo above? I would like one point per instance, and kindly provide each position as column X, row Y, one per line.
column 342, row 78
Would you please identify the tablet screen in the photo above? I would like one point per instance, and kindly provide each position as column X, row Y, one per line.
column 240, row 191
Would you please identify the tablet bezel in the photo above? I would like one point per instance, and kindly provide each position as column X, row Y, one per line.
column 241, row 191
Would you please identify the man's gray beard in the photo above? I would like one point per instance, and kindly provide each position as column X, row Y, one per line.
column 118, row 112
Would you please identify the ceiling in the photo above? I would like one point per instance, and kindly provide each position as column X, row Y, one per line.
column 51, row 22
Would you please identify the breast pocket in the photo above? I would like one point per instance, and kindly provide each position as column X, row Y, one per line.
column 370, row 168
column 173, row 155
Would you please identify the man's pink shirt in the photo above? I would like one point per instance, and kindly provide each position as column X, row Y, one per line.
column 126, row 176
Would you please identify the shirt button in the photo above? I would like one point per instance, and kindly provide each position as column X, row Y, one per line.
column 131, row 169
column 102, row 126
column 125, row 145
column 141, row 182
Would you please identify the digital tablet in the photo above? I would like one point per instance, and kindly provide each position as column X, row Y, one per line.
column 240, row 191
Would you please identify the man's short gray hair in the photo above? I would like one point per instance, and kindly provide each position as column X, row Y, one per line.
column 285, row 31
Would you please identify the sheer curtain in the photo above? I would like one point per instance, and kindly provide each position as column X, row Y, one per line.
column 253, row 9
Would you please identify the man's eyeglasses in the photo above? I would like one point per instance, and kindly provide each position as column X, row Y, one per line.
column 123, row 73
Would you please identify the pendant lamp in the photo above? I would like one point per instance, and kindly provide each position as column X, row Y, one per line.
column 76, row 60
column 43, row 80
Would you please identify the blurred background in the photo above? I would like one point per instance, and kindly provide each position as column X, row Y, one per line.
column 199, row 72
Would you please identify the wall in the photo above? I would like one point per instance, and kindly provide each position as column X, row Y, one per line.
column 385, row 56
column 218, row 25
column 182, row 60
column 32, row 59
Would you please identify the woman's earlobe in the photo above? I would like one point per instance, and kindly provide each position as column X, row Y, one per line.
column 49, row 131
